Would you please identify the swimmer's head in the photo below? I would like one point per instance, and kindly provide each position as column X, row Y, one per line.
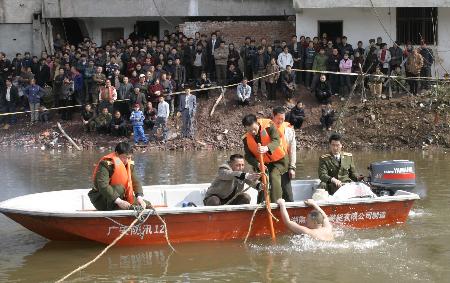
column 314, row 219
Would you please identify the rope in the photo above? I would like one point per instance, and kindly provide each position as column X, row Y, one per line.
column 255, row 79
column 251, row 222
column 380, row 21
column 84, row 266
column 166, row 235
column 236, row 195
column 140, row 219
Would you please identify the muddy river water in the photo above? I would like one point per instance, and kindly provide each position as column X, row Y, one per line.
column 418, row 251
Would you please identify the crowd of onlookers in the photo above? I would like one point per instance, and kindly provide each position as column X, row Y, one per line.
column 139, row 83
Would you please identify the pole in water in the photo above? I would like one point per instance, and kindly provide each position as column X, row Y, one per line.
column 266, row 195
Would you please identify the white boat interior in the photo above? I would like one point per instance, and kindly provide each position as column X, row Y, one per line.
column 167, row 199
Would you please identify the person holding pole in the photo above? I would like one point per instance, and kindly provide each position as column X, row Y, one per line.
column 262, row 138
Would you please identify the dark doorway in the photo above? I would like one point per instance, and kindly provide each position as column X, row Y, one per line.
column 68, row 29
column 332, row 28
column 417, row 24
column 146, row 29
column 111, row 34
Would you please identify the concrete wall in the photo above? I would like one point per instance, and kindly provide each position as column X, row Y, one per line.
column 442, row 51
column 174, row 8
column 18, row 11
column 236, row 31
column 300, row 4
column 16, row 38
column 361, row 24
column 358, row 23
column 95, row 25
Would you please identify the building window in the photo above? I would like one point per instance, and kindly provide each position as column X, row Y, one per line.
column 416, row 24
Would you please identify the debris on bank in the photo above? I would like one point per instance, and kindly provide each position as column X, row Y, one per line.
column 400, row 123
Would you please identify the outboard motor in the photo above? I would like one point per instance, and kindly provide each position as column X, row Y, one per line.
column 386, row 177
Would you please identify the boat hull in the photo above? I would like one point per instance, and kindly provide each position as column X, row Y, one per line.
column 205, row 224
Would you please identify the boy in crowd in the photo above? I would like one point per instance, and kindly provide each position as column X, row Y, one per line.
column 137, row 120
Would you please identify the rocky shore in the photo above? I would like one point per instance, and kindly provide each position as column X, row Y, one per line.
column 400, row 123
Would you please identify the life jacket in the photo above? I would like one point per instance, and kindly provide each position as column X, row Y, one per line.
column 281, row 132
column 121, row 175
column 276, row 155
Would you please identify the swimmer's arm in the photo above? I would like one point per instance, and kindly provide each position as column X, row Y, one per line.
column 294, row 227
column 326, row 221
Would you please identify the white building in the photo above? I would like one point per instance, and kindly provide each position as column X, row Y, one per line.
column 30, row 25
column 403, row 21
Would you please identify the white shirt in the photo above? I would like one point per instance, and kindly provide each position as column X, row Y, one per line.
column 289, row 135
column 8, row 95
column 337, row 157
column 285, row 59
column 212, row 47
column 163, row 110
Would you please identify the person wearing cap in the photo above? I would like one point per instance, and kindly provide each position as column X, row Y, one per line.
column 137, row 120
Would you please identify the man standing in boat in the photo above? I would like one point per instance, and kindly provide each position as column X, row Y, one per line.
column 336, row 168
column 262, row 138
column 228, row 186
column 116, row 185
column 287, row 137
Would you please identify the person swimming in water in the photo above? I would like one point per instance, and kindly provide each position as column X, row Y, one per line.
column 317, row 223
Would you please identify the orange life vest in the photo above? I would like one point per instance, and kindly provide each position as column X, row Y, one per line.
column 281, row 132
column 276, row 155
column 120, row 176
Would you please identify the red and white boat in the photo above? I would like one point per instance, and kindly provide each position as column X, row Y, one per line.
column 68, row 215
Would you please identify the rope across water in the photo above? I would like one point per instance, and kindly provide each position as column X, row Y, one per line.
column 140, row 218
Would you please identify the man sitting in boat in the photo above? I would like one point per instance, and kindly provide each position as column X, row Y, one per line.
column 228, row 186
column 336, row 168
column 317, row 223
column 116, row 185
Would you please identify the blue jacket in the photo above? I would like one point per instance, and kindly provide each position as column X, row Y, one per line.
column 78, row 82
column 33, row 93
column 137, row 118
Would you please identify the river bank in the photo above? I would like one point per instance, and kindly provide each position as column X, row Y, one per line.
column 397, row 124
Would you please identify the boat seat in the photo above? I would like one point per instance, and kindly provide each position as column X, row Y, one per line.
column 155, row 196
column 176, row 197
column 304, row 189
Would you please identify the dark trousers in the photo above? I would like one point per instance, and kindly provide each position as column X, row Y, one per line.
column 308, row 75
column 102, row 203
column 272, row 91
column 346, row 84
column 425, row 72
column 326, row 121
column 9, row 107
column 286, row 187
column 66, row 113
column 122, row 131
column 413, row 84
column 334, row 83
column 315, row 80
column 216, row 201
column 197, row 72
column 297, row 122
